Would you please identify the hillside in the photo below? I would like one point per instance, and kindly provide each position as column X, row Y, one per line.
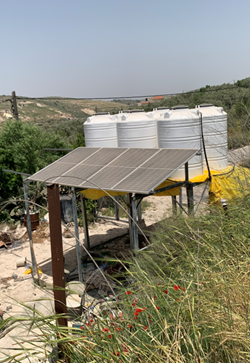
column 235, row 100
column 56, row 109
column 62, row 116
column 65, row 116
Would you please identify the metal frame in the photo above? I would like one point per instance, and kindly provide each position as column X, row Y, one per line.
column 133, row 202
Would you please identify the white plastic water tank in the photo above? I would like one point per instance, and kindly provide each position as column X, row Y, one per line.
column 214, row 121
column 137, row 130
column 180, row 129
column 100, row 131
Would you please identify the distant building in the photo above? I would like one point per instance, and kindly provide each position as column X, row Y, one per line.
column 157, row 98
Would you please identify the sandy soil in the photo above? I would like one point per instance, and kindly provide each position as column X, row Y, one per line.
column 17, row 287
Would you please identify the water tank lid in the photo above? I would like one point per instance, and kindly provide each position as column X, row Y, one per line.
column 179, row 107
column 137, row 117
column 135, row 111
column 206, row 105
column 101, row 113
column 96, row 119
column 181, row 115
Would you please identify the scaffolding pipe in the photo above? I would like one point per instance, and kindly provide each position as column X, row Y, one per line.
column 85, row 222
column 78, row 248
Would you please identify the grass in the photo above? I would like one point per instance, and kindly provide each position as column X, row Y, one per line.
column 191, row 291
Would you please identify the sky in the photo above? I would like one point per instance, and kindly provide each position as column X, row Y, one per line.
column 112, row 48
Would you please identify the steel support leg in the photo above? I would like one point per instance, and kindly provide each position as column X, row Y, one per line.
column 190, row 191
column 174, row 205
column 29, row 229
column 130, row 212
column 180, row 197
column 135, row 229
column 117, row 217
column 85, row 222
column 190, row 198
column 78, row 247
column 57, row 252
column 139, row 212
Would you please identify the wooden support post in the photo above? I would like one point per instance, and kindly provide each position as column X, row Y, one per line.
column 14, row 105
column 130, row 212
column 117, row 217
column 134, row 226
column 57, row 252
column 29, row 229
column 78, row 247
column 174, row 205
column 85, row 222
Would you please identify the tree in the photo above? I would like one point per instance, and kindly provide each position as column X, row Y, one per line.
column 21, row 149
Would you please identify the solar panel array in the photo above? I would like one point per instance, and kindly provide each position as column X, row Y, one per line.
column 117, row 169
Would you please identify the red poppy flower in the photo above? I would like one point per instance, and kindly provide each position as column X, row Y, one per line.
column 128, row 292
column 134, row 318
column 110, row 336
column 178, row 299
column 145, row 327
column 129, row 326
column 157, row 307
column 184, row 289
column 117, row 329
column 91, row 320
column 138, row 310
column 177, row 287
column 154, row 297
column 166, row 291
column 136, row 314
column 81, row 327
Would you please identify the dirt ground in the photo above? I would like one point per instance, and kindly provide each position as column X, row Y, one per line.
column 17, row 287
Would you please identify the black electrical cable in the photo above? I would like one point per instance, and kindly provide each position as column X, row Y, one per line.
column 51, row 98
column 204, row 148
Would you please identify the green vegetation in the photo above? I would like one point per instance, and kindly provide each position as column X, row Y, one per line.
column 235, row 100
column 21, row 149
column 187, row 299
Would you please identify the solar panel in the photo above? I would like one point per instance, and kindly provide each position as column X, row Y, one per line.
column 119, row 169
